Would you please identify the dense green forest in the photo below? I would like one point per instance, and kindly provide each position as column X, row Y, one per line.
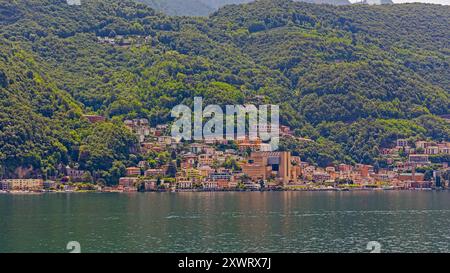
column 352, row 78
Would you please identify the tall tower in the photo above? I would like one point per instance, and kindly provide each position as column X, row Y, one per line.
column 285, row 166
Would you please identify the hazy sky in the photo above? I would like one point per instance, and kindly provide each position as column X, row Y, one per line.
column 443, row 2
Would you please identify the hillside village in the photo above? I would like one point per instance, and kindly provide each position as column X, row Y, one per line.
column 223, row 165
column 363, row 87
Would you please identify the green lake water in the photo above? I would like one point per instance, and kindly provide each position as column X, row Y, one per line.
column 401, row 221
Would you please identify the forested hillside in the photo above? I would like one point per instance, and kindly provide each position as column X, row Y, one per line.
column 352, row 78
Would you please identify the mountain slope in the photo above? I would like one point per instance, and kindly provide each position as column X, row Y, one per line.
column 353, row 78
column 34, row 114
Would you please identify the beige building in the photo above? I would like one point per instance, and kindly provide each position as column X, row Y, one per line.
column 184, row 182
column 22, row 184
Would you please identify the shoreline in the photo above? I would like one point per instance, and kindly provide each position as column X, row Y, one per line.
column 218, row 191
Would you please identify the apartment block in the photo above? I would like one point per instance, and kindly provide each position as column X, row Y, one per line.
column 22, row 184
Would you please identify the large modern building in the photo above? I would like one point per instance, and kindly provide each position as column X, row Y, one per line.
column 263, row 165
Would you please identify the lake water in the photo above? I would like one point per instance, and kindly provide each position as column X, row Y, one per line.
column 401, row 221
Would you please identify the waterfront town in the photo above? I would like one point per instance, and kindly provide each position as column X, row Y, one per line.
column 249, row 165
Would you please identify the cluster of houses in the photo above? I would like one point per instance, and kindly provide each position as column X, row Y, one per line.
column 420, row 147
column 418, row 154
column 214, row 165
column 124, row 41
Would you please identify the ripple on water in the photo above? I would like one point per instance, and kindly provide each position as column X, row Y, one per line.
column 268, row 222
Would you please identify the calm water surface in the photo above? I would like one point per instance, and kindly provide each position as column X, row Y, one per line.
column 226, row 222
